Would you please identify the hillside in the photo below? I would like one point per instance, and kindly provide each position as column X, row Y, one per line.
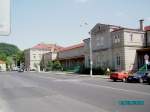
column 7, row 50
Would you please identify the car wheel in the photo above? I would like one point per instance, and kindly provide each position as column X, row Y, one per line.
column 114, row 80
column 140, row 80
column 124, row 80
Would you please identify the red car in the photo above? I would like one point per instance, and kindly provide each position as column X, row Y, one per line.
column 119, row 76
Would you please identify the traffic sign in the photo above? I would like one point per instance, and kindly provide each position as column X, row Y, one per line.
column 4, row 17
column 146, row 57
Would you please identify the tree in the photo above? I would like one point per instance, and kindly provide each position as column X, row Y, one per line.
column 20, row 58
column 57, row 65
column 8, row 49
column 11, row 54
column 49, row 66
column 3, row 56
column 53, row 65
column 9, row 62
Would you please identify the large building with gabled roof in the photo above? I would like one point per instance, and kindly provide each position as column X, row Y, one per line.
column 34, row 55
column 117, row 47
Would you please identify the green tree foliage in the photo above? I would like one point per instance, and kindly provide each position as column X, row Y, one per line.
column 53, row 65
column 3, row 56
column 57, row 65
column 20, row 57
column 11, row 53
column 7, row 50
column 9, row 60
column 49, row 66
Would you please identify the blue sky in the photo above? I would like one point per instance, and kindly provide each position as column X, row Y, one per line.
column 60, row 21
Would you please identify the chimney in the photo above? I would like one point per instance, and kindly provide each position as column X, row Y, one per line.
column 141, row 24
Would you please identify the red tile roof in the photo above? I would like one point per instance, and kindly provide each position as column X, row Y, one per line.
column 2, row 62
column 72, row 47
column 46, row 46
column 146, row 28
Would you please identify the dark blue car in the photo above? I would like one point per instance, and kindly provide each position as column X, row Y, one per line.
column 139, row 77
column 147, row 77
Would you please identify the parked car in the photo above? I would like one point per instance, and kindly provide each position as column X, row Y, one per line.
column 20, row 70
column 147, row 77
column 15, row 69
column 119, row 76
column 139, row 76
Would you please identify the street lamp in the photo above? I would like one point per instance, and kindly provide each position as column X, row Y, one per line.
column 91, row 57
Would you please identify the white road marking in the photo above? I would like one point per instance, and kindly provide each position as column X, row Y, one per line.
column 118, row 89
column 4, row 106
column 46, row 77
column 67, row 80
column 94, row 85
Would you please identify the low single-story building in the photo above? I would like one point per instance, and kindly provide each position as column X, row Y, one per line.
column 71, row 56
column 2, row 66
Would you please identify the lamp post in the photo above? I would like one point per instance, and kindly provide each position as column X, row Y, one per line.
column 90, row 45
column 91, row 57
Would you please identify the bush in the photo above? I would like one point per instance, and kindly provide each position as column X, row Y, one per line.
column 74, row 69
column 96, row 71
column 49, row 66
column 57, row 65
column 53, row 65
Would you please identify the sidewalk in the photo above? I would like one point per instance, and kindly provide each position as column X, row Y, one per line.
column 71, row 73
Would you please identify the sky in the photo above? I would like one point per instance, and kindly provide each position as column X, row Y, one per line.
column 63, row 21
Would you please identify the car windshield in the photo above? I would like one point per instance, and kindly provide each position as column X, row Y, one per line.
column 139, row 73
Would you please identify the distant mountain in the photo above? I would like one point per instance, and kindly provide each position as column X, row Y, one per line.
column 7, row 50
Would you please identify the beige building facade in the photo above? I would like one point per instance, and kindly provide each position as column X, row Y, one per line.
column 71, row 56
column 148, row 38
column 50, row 56
column 115, row 47
column 87, row 52
column 33, row 58
column 34, row 55
column 2, row 66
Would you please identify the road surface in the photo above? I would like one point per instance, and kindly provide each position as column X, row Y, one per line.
column 51, row 92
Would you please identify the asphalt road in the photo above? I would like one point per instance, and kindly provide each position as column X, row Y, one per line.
column 50, row 92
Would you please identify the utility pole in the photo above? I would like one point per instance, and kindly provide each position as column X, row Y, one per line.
column 91, row 57
column 90, row 46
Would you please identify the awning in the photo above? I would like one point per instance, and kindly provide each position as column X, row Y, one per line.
column 143, row 50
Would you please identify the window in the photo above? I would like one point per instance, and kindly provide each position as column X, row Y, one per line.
column 40, row 56
column 118, row 60
column 98, row 60
column 142, row 38
column 131, row 37
column 148, row 39
column 34, row 56
column 99, row 28
column 102, row 41
column 97, row 41
column 116, row 39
